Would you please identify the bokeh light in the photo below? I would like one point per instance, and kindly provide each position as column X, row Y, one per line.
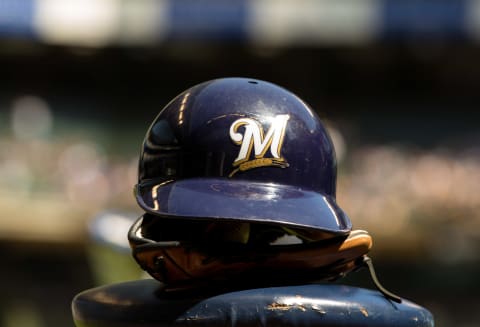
column 31, row 118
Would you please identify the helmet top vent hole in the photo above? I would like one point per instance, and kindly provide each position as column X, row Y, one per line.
column 253, row 82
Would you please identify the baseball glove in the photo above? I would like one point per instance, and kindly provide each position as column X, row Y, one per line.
column 206, row 254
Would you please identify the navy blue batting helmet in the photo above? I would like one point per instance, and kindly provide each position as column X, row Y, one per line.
column 238, row 149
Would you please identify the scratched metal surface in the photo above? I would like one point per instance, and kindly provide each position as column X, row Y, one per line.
column 144, row 303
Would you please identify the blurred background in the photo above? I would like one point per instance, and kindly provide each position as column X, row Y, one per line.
column 397, row 82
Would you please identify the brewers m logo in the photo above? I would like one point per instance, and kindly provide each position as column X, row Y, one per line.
column 253, row 137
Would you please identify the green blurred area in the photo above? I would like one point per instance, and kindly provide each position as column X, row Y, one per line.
column 404, row 123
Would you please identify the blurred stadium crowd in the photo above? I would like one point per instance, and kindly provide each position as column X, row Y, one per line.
column 64, row 178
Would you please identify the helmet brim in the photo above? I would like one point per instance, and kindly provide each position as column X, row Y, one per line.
column 246, row 201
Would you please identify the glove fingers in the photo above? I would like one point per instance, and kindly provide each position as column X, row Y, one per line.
column 325, row 260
